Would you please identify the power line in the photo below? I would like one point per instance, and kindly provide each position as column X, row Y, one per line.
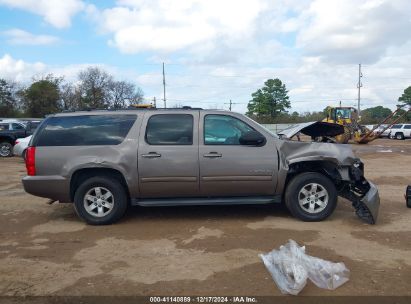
column 230, row 104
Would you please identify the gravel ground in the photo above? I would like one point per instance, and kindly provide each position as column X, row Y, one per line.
column 47, row 250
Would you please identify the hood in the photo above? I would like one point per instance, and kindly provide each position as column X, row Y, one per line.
column 298, row 151
column 313, row 129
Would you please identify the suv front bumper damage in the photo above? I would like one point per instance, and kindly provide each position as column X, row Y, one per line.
column 367, row 207
column 362, row 193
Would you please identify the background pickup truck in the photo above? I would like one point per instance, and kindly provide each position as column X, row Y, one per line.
column 10, row 131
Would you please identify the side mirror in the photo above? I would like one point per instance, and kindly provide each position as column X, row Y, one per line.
column 252, row 138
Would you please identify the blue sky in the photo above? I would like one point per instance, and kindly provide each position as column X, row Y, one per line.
column 217, row 50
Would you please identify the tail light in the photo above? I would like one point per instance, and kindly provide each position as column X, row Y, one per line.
column 31, row 161
column 16, row 142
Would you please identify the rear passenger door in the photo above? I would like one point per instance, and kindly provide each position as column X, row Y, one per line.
column 168, row 154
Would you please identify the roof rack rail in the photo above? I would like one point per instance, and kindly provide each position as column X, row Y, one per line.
column 131, row 108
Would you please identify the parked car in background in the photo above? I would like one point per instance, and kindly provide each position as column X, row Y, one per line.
column 10, row 131
column 400, row 131
column 104, row 161
column 382, row 131
column 20, row 146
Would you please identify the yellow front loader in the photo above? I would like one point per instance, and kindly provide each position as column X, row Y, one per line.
column 348, row 117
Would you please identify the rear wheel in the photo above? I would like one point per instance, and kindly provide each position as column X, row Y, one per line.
column 100, row 200
column 311, row 197
column 6, row 149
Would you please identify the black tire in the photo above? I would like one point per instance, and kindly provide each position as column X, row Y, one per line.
column 293, row 196
column 119, row 206
column 399, row 136
column 6, row 149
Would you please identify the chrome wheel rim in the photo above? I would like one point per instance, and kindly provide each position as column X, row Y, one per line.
column 98, row 201
column 313, row 198
column 5, row 150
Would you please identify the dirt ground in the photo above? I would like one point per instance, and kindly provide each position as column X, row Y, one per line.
column 47, row 250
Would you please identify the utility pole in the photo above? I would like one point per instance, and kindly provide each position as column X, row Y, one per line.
column 154, row 102
column 164, row 88
column 230, row 104
column 359, row 86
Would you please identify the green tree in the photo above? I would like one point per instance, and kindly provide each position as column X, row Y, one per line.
column 95, row 85
column 405, row 116
column 374, row 115
column 42, row 97
column 406, row 96
column 8, row 102
column 270, row 101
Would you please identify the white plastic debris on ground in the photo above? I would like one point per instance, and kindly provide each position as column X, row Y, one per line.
column 290, row 267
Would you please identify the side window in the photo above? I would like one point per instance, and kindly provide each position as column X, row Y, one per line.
column 84, row 130
column 223, row 130
column 170, row 129
column 396, row 127
column 407, row 127
column 16, row 126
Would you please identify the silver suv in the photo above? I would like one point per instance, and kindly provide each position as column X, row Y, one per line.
column 104, row 161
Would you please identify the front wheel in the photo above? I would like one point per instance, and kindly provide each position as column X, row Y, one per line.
column 100, row 200
column 311, row 197
column 399, row 136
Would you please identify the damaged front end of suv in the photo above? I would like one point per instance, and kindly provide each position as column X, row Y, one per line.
column 336, row 161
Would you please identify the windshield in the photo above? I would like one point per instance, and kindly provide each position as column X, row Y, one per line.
column 343, row 113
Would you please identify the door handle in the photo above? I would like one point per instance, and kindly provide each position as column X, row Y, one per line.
column 213, row 155
column 151, row 155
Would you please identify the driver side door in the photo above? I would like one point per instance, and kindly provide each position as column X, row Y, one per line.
column 228, row 168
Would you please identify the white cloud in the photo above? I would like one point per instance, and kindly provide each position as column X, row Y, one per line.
column 222, row 50
column 19, row 70
column 21, row 37
column 167, row 25
column 351, row 31
column 58, row 13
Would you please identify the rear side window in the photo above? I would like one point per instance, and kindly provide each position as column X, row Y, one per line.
column 407, row 127
column 170, row 129
column 87, row 130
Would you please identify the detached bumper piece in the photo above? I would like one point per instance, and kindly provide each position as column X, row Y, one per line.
column 363, row 195
column 367, row 207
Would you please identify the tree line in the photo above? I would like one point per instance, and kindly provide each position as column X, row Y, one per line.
column 97, row 89
column 93, row 89
column 271, row 103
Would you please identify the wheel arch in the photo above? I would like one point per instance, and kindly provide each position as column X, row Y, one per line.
column 399, row 133
column 7, row 139
column 327, row 168
column 80, row 175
